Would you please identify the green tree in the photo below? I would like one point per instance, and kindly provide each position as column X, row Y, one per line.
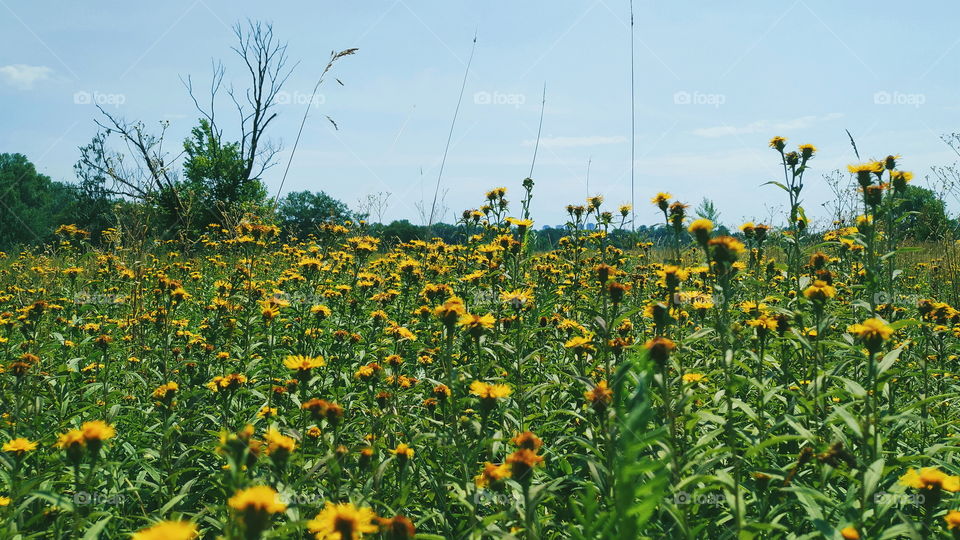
column 31, row 204
column 400, row 231
column 707, row 210
column 924, row 215
column 300, row 212
column 216, row 176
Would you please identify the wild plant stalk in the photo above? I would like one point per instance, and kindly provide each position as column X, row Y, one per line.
column 333, row 58
column 817, row 360
column 794, row 165
column 536, row 146
column 453, row 123
column 633, row 129
column 722, row 326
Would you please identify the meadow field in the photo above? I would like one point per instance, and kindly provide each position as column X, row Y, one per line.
column 776, row 382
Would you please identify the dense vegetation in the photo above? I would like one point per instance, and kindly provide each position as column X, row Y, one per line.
column 334, row 383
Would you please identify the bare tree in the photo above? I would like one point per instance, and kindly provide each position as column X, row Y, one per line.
column 267, row 70
column 375, row 204
column 230, row 173
column 141, row 171
column 946, row 180
column 843, row 205
column 436, row 211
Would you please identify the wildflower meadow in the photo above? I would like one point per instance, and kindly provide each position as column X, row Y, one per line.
column 774, row 382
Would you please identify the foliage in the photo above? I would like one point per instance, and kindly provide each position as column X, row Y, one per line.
column 302, row 212
column 31, row 205
column 924, row 215
column 216, row 176
column 372, row 380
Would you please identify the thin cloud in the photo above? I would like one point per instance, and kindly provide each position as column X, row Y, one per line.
column 22, row 76
column 765, row 126
column 572, row 142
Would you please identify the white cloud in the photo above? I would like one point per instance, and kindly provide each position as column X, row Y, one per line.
column 571, row 142
column 765, row 126
column 22, row 76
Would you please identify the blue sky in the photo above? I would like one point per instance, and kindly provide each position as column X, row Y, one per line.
column 713, row 83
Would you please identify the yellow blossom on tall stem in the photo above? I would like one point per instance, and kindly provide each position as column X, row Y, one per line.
column 450, row 312
column 255, row 506
column 819, row 291
column 279, row 446
column 167, row 530
column 19, row 446
column 872, row 332
column 95, row 432
column 301, row 362
column 516, row 299
column 599, row 397
column 403, row 452
column 522, row 462
column 930, row 479
column 489, row 391
column 700, row 229
column 580, row 345
column 952, row 519
column 492, row 476
column 489, row 394
column 475, row 325
column 527, row 439
column 343, row 521
column 661, row 200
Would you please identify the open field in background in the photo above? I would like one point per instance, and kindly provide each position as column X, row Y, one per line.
column 251, row 289
column 772, row 383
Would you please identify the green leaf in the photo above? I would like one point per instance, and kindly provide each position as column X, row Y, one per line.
column 93, row 533
column 778, row 184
